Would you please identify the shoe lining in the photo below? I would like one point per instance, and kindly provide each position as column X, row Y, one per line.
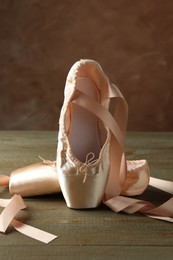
column 84, row 132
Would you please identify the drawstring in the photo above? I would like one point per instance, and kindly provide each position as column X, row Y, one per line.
column 88, row 162
column 51, row 163
column 83, row 169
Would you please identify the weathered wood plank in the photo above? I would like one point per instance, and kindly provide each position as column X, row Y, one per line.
column 85, row 252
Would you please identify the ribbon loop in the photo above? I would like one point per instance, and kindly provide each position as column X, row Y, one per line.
column 12, row 207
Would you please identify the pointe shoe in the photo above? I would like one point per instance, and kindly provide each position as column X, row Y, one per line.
column 33, row 180
column 83, row 141
column 91, row 163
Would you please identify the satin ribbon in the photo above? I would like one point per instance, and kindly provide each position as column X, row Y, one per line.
column 12, row 207
column 130, row 205
column 113, row 200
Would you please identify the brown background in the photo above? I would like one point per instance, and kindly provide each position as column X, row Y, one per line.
column 41, row 39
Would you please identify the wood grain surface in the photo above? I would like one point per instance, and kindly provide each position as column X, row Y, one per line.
column 87, row 234
column 40, row 41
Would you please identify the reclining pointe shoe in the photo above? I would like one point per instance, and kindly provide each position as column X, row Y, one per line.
column 34, row 180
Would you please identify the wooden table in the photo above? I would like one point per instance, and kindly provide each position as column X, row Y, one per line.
column 87, row 234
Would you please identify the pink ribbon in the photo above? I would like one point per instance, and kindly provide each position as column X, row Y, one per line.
column 12, row 207
column 130, row 205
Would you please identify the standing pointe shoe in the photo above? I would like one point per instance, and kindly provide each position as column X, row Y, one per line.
column 90, row 155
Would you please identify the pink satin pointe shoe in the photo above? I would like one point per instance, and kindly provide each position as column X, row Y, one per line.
column 33, row 180
column 91, row 163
